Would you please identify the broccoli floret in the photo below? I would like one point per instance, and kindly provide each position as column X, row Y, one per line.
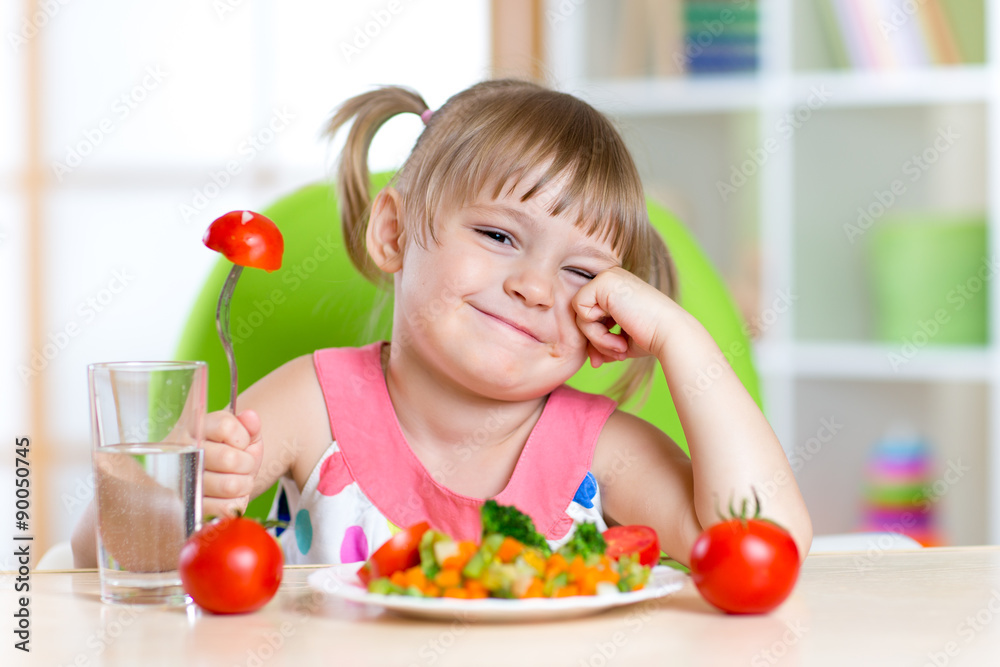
column 510, row 521
column 586, row 541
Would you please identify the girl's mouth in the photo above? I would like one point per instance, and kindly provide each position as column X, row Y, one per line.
column 511, row 324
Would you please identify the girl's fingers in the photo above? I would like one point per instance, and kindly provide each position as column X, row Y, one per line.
column 255, row 449
column 607, row 346
column 223, row 458
column 591, row 304
column 233, row 453
column 617, row 297
column 251, row 422
column 226, row 486
column 224, row 427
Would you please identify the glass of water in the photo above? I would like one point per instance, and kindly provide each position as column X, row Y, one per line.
column 148, row 421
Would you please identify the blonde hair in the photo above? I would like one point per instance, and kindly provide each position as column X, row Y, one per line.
column 491, row 135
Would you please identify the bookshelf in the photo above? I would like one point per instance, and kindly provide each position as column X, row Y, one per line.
column 825, row 136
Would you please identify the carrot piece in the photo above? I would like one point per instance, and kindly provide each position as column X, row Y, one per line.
column 577, row 568
column 448, row 578
column 415, row 577
column 588, row 583
column 556, row 565
column 509, row 550
column 466, row 549
column 460, row 593
column 399, row 578
column 432, row 590
column 559, row 561
column 608, row 575
column 475, row 589
column 535, row 590
column 566, row 591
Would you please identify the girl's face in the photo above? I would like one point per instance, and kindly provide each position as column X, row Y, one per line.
column 488, row 306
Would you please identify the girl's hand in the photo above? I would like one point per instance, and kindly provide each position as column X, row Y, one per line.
column 233, row 452
column 618, row 297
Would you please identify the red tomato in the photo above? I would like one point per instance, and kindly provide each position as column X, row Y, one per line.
column 231, row 566
column 745, row 566
column 402, row 551
column 248, row 239
column 640, row 540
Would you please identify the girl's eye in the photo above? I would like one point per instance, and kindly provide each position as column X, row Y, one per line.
column 586, row 275
column 499, row 237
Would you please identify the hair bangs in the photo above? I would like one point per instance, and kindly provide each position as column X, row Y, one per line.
column 507, row 139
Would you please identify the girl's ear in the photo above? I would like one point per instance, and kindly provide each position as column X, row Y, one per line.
column 384, row 237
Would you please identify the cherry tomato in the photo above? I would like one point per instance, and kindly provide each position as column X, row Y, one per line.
column 745, row 566
column 640, row 540
column 402, row 551
column 248, row 239
column 232, row 565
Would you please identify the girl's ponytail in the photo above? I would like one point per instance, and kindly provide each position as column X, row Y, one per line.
column 370, row 111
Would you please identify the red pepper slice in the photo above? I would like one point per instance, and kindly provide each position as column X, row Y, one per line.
column 248, row 239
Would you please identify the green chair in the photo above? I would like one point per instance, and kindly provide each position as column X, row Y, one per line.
column 317, row 300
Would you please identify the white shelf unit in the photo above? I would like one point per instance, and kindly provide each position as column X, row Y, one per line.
column 854, row 132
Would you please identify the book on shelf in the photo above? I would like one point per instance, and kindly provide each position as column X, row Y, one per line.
column 903, row 34
column 650, row 38
column 673, row 37
column 720, row 36
column 967, row 19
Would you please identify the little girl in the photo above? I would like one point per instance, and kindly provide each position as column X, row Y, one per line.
column 514, row 238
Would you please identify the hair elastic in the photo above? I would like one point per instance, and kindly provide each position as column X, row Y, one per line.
column 426, row 116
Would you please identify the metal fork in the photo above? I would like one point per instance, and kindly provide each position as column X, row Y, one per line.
column 222, row 325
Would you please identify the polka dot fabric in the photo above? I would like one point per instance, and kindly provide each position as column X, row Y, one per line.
column 354, row 548
column 333, row 475
column 303, row 531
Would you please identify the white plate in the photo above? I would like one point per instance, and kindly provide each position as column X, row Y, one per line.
column 341, row 581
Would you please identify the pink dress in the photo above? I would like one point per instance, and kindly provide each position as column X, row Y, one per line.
column 368, row 482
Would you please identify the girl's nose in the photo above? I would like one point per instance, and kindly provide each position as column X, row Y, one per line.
column 531, row 285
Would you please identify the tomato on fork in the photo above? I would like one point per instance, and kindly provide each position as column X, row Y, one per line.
column 247, row 238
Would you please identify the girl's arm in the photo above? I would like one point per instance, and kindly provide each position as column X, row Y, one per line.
column 733, row 449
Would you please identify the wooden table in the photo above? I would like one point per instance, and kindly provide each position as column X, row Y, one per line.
column 931, row 607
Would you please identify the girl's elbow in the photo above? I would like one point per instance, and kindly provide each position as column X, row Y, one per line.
column 83, row 542
column 803, row 535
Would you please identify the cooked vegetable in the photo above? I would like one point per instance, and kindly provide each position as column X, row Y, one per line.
column 427, row 548
column 512, row 522
column 586, row 542
column 503, row 566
